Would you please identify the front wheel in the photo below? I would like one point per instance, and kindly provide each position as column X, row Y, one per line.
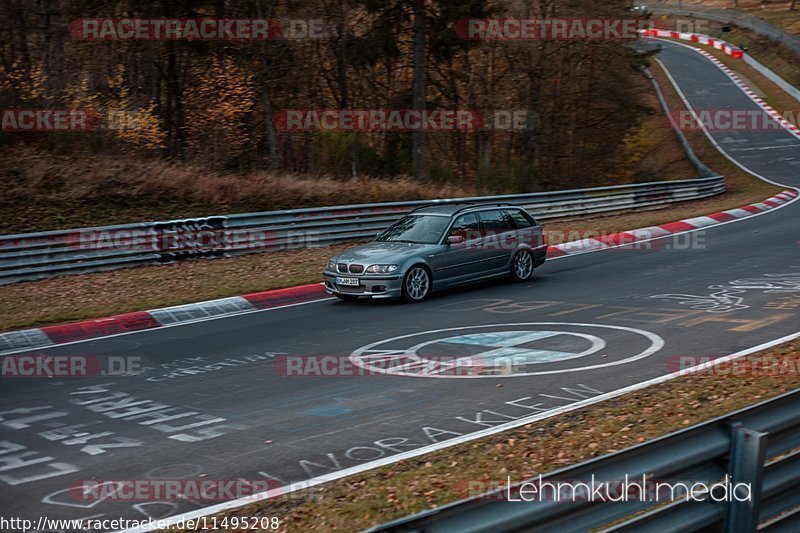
column 522, row 266
column 416, row 284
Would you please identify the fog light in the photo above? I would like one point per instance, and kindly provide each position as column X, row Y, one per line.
column 379, row 288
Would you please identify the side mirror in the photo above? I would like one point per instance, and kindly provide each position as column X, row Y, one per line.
column 456, row 239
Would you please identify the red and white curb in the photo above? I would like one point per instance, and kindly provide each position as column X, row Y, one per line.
column 631, row 237
column 753, row 96
column 142, row 320
column 699, row 38
column 156, row 318
column 725, row 47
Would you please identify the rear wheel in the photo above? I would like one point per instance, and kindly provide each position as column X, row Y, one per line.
column 522, row 266
column 416, row 284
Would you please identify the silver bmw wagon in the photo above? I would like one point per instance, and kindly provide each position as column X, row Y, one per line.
column 437, row 247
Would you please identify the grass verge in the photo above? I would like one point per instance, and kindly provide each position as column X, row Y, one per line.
column 44, row 190
column 437, row 478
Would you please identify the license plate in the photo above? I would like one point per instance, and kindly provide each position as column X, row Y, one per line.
column 353, row 282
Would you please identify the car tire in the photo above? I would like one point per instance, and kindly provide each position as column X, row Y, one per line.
column 347, row 297
column 416, row 284
column 522, row 266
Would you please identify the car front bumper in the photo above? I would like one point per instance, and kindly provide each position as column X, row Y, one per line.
column 373, row 286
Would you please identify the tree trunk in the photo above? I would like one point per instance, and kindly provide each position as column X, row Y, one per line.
column 266, row 103
column 19, row 28
column 418, row 137
column 341, row 77
column 45, row 12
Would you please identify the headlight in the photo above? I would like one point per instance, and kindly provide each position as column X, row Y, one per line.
column 381, row 269
column 332, row 265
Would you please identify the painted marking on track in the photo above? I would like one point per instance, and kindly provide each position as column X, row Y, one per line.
column 642, row 315
column 725, row 299
column 361, row 468
column 761, row 148
column 507, row 351
column 331, row 409
column 511, row 344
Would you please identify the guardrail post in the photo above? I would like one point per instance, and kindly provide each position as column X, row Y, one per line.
column 746, row 466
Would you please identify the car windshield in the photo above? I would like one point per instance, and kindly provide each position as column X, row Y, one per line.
column 417, row 229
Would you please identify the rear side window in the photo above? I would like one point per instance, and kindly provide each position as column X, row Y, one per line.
column 466, row 226
column 521, row 219
column 493, row 221
column 509, row 222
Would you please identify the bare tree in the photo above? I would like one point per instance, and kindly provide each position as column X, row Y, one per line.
column 419, row 90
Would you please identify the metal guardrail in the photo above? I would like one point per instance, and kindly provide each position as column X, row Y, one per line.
column 701, row 167
column 773, row 77
column 52, row 253
column 759, row 445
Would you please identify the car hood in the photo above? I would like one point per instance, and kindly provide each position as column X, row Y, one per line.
column 384, row 252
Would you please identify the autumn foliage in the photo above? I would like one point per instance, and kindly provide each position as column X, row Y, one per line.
column 213, row 103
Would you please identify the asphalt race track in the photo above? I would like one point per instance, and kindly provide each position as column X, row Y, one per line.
column 587, row 324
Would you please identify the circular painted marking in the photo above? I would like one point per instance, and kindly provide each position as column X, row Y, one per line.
column 366, row 355
column 506, row 345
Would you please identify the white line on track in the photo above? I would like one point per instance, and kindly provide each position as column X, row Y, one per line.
column 703, row 127
column 226, row 506
column 162, row 327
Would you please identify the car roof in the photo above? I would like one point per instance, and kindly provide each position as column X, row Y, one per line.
column 450, row 209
